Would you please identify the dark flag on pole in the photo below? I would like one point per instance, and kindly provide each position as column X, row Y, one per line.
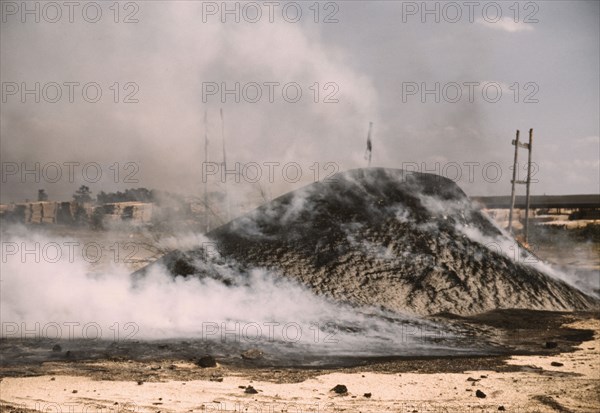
column 369, row 145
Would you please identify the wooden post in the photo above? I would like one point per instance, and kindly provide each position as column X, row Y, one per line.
column 528, row 183
column 514, row 179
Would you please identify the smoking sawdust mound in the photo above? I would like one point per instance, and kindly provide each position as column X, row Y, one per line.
column 403, row 241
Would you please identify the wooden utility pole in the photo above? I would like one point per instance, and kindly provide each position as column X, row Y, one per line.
column 528, row 184
column 514, row 181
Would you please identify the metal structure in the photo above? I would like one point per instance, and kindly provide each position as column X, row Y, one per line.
column 206, row 212
column 527, row 182
column 582, row 201
column 225, row 167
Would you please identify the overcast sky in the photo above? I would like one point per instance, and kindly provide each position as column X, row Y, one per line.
column 165, row 63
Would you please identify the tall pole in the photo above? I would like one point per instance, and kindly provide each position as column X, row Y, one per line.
column 514, row 181
column 205, row 165
column 225, row 166
column 528, row 183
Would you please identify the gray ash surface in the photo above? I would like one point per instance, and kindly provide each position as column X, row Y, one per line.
column 514, row 332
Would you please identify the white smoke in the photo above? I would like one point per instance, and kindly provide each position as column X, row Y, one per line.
column 504, row 243
column 46, row 297
column 508, row 246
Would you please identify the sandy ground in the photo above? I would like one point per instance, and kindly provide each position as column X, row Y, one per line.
column 535, row 385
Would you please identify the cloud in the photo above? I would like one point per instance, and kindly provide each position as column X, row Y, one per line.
column 588, row 140
column 506, row 24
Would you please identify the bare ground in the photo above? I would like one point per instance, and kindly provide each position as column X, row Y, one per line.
column 518, row 383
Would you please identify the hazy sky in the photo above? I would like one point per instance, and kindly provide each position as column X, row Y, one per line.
column 157, row 63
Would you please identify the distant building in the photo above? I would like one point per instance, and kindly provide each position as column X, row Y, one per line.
column 132, row 212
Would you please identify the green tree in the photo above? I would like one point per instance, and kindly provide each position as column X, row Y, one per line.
column 82, row 195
